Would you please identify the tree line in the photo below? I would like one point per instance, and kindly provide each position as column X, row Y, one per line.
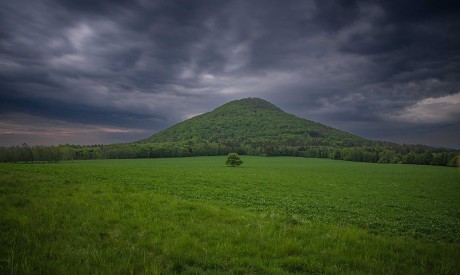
column 391, row 153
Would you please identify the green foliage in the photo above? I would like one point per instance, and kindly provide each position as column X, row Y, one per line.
column 280, row 215
column 254, row 123
column 408, row 154
column 254, row 126
column 247, row 127
column 233, row 160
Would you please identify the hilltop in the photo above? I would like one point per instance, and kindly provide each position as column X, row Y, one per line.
column 255, row 126
column 256, row 123
column 249, row 126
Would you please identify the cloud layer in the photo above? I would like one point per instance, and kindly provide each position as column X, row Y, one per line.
column 376, row 69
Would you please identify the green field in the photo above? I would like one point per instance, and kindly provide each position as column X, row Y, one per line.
column 195, row 215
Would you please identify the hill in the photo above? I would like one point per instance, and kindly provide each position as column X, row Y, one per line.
column 255, row 126
column 249, row 126
column 257, row 123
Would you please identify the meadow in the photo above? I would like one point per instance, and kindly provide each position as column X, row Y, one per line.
column 273, row 215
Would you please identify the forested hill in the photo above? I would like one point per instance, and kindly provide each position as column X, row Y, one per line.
column 250, row 126
column 256, row 127
column 255, row 123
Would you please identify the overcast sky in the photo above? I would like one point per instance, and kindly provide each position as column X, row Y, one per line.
column 92, row 71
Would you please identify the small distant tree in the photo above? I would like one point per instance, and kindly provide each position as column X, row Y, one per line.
column 234, row 160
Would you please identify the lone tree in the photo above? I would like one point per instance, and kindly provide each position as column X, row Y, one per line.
column 234, row 160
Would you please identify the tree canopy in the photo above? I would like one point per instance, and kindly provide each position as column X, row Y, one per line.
column 234, row 160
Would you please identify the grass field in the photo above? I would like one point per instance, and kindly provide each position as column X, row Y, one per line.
column 195, row 215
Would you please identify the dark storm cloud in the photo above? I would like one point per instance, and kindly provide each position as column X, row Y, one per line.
column 381, row 69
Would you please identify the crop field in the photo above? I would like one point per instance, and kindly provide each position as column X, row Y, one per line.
column 274, row 215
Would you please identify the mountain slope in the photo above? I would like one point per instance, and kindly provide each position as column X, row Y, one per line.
column 254, row 126
column 256, row 122
column 248, row 126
